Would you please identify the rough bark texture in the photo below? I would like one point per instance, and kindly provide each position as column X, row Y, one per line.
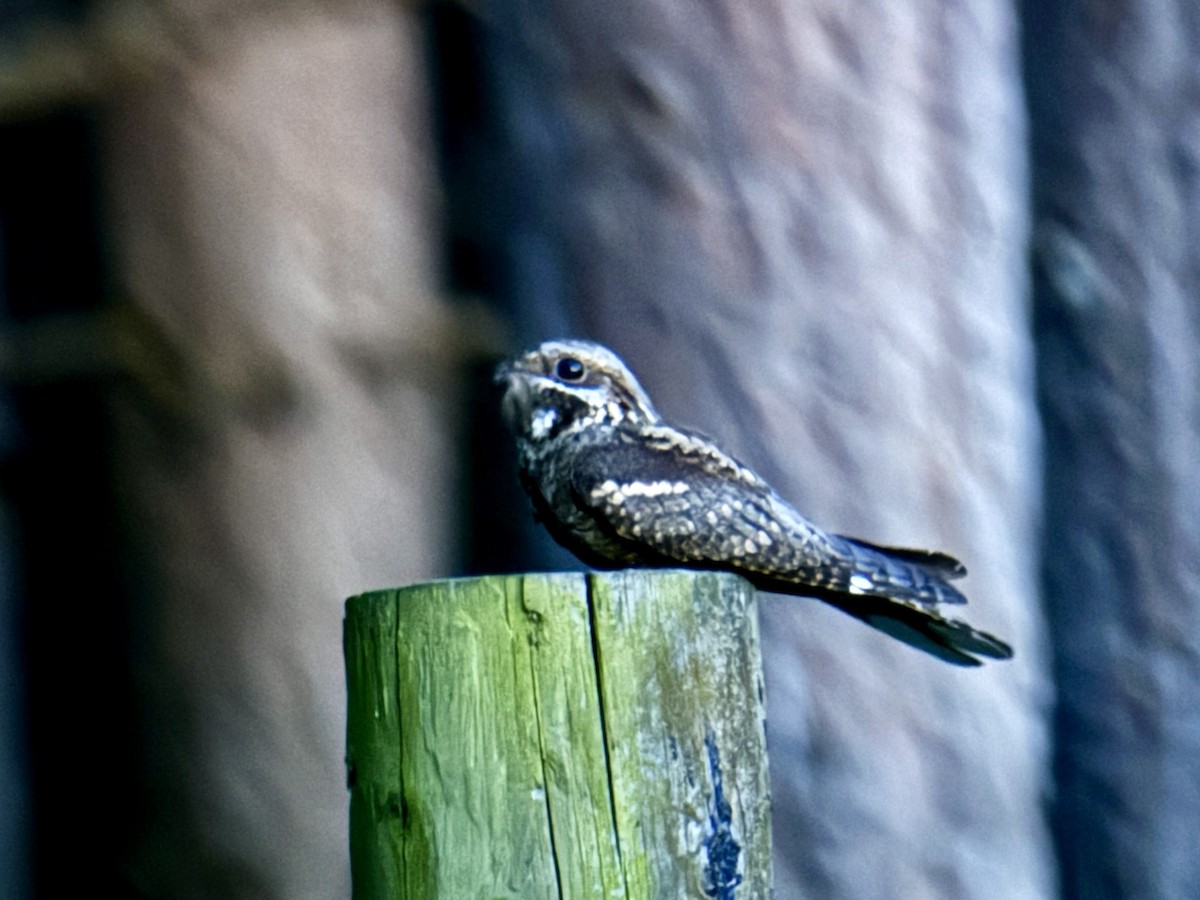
column 1115, row 100
column 538, row 736
column 804, row 225
column 290, row 440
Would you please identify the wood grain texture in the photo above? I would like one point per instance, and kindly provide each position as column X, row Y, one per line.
column 683, row 695
column 558, row 736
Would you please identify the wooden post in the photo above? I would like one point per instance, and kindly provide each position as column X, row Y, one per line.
column 558, row 736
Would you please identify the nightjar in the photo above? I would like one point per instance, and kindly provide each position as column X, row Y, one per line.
column 618, row 486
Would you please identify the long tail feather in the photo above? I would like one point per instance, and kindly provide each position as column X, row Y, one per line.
column 951, row 640
column 906, row 619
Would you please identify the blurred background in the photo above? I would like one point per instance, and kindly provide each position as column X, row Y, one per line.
column 930, row 268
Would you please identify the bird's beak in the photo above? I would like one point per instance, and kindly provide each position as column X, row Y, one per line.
column 515, row 402
column 503, row 372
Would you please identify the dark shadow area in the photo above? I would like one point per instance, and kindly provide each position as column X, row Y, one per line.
column 73, row 626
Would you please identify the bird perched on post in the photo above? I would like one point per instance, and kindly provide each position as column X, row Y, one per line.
column 618, row 486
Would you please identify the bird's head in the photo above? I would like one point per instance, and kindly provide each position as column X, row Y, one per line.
column 564, row 385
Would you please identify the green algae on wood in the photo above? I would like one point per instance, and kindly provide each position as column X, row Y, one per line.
column 558, row 736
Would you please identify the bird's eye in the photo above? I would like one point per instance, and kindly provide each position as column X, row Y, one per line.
column 569, row 369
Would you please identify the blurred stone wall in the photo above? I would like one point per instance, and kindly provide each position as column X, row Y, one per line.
column 1115, row 105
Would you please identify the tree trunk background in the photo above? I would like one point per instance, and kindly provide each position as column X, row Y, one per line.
column 1115, row 101
column 273, row 194
column 803, row 225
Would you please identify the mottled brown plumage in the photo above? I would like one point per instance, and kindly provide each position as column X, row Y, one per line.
column 618, row 486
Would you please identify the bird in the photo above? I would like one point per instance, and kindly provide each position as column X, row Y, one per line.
column 618, row 486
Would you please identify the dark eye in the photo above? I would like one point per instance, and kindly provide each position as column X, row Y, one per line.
column 569, row 369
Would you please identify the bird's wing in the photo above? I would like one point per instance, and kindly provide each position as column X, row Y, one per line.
column 942, row 564
column 682, row 501
column 688, row 503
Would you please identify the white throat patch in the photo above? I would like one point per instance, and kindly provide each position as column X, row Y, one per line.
column 542, row 421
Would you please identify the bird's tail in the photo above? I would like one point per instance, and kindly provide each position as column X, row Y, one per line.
column 921, row 576
column 898, row 591
column 952, row 640
column 912, row 583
